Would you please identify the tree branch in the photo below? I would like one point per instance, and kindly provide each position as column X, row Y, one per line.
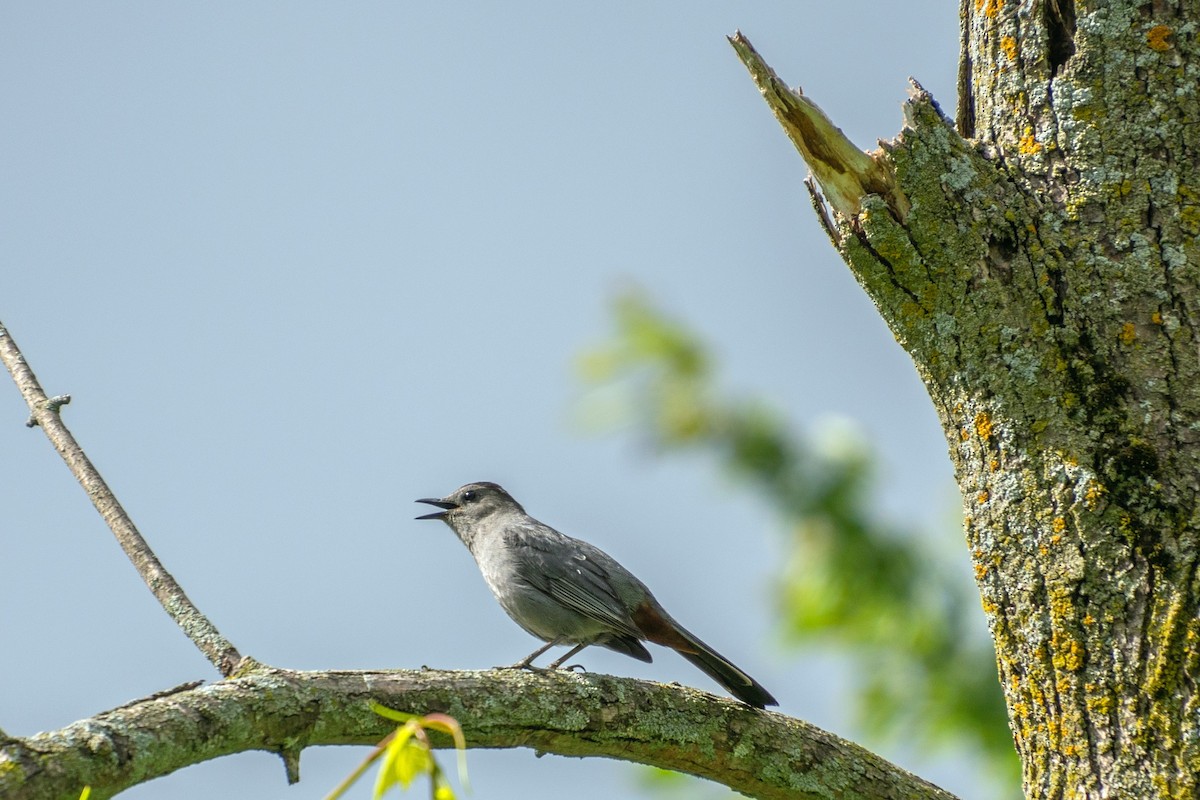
column 762, row 754
column 846, row 173
column 44, row 412
column 758, row 753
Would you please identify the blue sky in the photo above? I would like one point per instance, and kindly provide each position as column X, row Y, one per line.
column 302, row 263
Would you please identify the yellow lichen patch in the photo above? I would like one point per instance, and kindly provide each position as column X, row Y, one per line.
column 1189, row 218
column 983, row 496
column 991, row 7
column 1060, row 608
column 1093, row 493
column 1189, row 209
column 1009, row 45
column 1058, row 525
column 994, row 464
column 1068, row 654
column 965, row 434
column 1128, row 333
column 1098, row 703
column 983, row 425
column 1156, row 318
column 1088, row 619
column 981, row 571
column 989, row 607
column 1156, row 37
column 1054, row 730
column 1028, row 144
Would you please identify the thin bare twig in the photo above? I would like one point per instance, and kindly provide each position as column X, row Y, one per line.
column 822, row 208
column 44, row 412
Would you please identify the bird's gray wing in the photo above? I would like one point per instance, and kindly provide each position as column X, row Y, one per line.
column 577, row 575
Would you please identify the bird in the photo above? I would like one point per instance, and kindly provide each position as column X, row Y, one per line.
column 565, row 591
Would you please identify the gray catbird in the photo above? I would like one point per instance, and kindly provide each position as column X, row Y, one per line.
column 565, row 591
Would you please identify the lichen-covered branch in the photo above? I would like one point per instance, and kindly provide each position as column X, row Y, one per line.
column 758, row 753
column 45, row 413
column 761, row 754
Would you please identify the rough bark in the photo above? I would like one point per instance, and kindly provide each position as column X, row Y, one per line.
column 1076, row 399
column 1044, row 278
column 761, row 754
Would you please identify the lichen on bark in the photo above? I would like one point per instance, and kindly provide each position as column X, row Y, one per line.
column 1046, row 281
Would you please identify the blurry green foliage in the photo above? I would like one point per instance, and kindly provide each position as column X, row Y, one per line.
column 928, row 670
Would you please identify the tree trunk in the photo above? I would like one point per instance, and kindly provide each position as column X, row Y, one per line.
column 1040, row 265
column 1067, row 381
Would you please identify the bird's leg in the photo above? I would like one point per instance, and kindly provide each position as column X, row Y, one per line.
column 527, row 661
column 558, row 662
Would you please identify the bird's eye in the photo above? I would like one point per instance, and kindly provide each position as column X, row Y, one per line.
column 468, row 496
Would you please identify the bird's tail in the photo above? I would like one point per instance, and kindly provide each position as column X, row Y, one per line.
column 657, row 626
column 724, row 672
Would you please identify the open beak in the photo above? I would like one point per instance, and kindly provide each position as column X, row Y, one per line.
column 433, row 501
